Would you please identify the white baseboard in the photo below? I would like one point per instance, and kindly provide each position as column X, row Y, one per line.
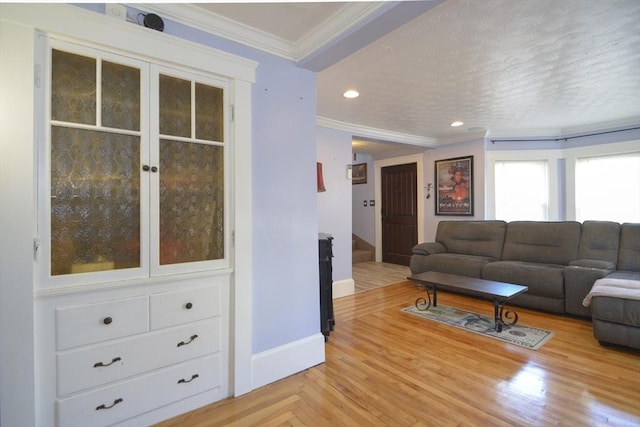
column 280, row 362
column 342, row 288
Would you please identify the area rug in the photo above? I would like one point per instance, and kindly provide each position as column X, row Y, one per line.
column 524, row 336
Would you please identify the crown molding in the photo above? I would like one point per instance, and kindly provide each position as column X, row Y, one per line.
column 615, row 124
column 523, row 133
column 467, row 136
column 381, row 134
column 330, row 30
column 559, row 133
column 221, row 26
column 337, row 25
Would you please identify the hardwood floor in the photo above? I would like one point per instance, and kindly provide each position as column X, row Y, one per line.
column 387, row 368
column 371, row 275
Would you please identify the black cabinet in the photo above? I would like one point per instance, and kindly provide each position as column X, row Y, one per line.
column 327, row 321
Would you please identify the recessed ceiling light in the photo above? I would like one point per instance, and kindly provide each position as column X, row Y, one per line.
column 351, row 93
column 456, row 124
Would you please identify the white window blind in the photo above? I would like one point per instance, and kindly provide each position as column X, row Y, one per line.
column 522, row 190
column 608, row 188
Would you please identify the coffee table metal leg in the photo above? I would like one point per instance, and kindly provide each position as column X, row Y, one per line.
column 497, row 314
column 423, row 304
column 500, row 315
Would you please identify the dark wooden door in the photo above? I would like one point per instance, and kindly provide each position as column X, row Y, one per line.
column 399, row 212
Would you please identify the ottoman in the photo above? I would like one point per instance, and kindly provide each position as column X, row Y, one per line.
column 615, row 311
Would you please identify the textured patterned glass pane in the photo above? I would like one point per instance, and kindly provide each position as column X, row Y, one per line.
column 191, row 202
column 175, row 106
column 95, row 201
column 73, row 88
column 120, row 96
column 209, row 109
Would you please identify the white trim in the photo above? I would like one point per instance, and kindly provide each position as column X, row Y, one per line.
column 333, row 28
column 418, row 159
column 222, row 26
column 242, row 284
column 17, row 225
column 558, row 133
column 291, row 358
column 369, row 132
column 342, row 288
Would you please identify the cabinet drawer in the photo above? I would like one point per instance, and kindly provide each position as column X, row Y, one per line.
column 80, row 369
column 92, row 323
column 124, row 400
column 176, row 308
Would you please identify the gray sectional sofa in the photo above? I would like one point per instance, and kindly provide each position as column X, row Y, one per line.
column 558, row 261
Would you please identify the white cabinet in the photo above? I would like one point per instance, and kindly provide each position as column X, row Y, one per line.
column 37, row 357
column 112, row 404
column 134, row 235
column 174, row 308
column 113, row 361
column 91, row 323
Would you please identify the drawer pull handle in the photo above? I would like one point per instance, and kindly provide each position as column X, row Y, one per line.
column 114, row 360
column 115, row 402
column 188, row 306
column 193, row 377
column 181, row 343
column 107, row 320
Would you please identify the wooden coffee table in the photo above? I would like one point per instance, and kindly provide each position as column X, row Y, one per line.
column 499, row 292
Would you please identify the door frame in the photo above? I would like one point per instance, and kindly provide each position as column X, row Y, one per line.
column 418, row 159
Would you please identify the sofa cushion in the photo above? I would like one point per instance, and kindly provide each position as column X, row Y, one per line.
column 542, row 242
column 480, row 238
column 600, row 240
column 627, row 275
column 629, row 254
column 616, row 310
column 545, row 280
column 593, row 263
column 462, row 265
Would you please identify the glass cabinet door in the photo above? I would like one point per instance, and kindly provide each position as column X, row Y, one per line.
column 95, row 153
column 191, row 173
column 136, row 165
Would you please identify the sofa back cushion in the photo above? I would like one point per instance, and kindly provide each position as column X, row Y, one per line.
column 600, row 240
column 542, row 242
column 481, row 238
column 629, row 254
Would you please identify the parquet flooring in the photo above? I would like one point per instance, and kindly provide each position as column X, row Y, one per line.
column 387, row 368
column 371, row 275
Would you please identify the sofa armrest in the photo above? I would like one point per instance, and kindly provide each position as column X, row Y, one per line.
column 578, row 281
column 429, row 248
column 593, row 263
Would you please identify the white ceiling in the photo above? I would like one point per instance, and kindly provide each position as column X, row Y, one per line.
column 503, row 67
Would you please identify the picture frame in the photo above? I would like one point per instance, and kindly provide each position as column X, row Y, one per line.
column 359, row 174
column 454, row 186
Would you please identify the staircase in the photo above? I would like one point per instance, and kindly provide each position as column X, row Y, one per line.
column 361, row 250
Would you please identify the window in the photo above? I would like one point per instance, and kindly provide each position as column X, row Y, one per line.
column 608, row 188
column 521, row 190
